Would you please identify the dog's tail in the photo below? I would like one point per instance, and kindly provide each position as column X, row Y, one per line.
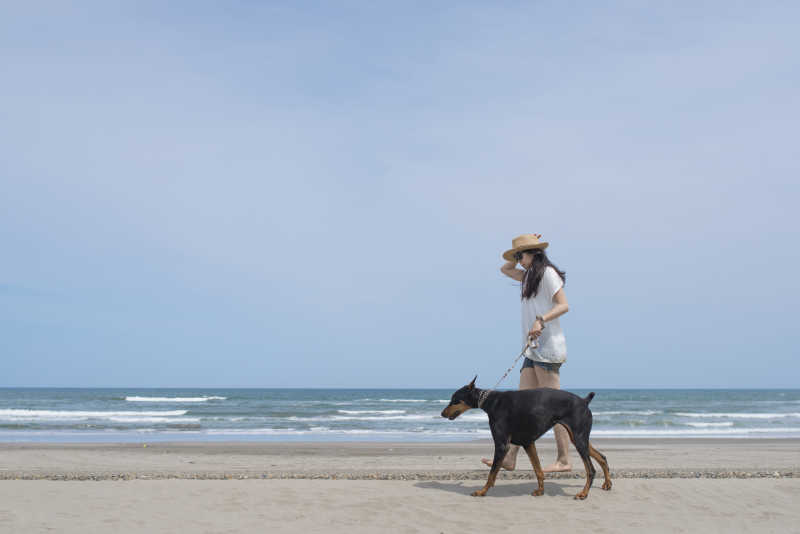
column 589, row 397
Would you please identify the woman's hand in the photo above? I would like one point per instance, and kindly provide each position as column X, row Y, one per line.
column 536, row 329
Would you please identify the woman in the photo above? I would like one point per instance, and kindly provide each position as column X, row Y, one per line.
column 543, row 302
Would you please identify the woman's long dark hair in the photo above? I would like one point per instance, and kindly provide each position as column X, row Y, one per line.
column 533, row 275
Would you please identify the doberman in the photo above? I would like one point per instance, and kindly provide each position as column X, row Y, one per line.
column 521, row 417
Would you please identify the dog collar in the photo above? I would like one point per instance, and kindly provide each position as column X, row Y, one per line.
column 482, row 397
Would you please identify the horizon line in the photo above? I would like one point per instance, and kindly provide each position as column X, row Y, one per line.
column 392, row 387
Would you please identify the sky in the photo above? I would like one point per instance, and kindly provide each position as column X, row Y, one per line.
column 256, row 194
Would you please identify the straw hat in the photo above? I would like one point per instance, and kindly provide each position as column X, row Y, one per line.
column 524, row 242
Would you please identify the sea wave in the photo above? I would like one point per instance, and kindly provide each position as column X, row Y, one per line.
column 19, row 415
column 419, row 417
column 400, row 400
column 468, row 433
column 471, row 416
column 709, row 432
column 357, row 412
column 173, row 399
column 154, row 419
column 739, row 415
column 405, row 400
column 629, row 412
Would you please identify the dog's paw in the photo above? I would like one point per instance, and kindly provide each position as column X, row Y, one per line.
column 478, row 493
column 607, row 485
column 581, row 496
column 538, row 492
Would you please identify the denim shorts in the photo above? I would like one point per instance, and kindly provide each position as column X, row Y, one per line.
column 544, row 365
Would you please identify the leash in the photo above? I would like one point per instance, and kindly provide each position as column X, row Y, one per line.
column 485, row 393
column 528, row 344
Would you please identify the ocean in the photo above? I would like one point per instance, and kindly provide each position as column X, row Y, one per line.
column 203, row 414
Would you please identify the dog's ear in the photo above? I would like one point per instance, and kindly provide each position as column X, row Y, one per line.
column 472, row 384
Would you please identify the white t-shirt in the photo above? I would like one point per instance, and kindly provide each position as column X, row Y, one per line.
column 552, row 343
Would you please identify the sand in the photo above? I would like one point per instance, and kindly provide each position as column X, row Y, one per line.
column 659, row 485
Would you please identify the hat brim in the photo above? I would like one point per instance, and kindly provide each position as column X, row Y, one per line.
column 508, row 255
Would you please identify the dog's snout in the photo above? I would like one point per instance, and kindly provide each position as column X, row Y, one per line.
column 453, row 411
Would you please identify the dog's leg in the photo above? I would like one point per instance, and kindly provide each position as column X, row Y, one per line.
column 537, row 467
column 500, row 450
column 601, row 459
column 581, row 443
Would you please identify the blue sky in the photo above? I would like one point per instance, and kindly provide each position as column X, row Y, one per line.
column 266, row 195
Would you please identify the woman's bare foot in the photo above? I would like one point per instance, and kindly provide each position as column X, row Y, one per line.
column 507, row 465
column 557, row 467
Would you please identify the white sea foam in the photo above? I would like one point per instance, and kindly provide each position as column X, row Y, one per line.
column 706, row 425
column 740, row 415
column 355, row 401
column 364, row 418
column 744, row 432
column 325, row 430
column 629, row 412
column 27, row 415
column 473, row 415
column 173, row 399
column 173, row 420
column 357, row 412
column 398, row 400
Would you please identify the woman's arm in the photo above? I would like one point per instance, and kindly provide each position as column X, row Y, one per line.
column 510, row 270
column 560, row 308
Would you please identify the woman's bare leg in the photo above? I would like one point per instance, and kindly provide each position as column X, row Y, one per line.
column 551, row 379
column 527, row 380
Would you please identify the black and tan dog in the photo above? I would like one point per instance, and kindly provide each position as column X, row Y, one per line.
column 521, row 417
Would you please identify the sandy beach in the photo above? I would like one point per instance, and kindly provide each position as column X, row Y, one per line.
column 659, row 485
